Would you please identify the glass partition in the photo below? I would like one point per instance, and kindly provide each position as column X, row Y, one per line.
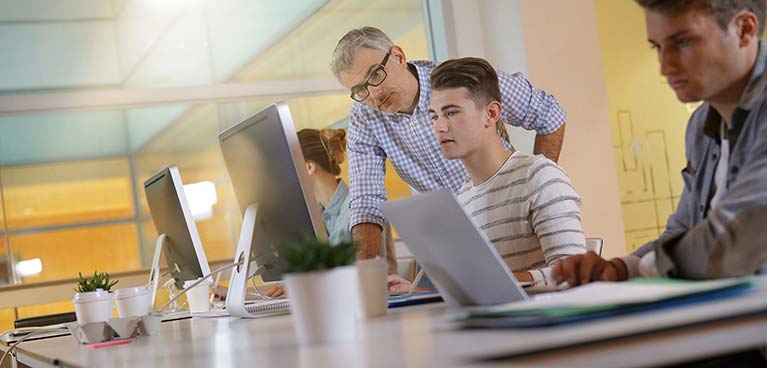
column 145, row 84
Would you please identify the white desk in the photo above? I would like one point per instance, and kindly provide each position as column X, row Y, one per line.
column 418, row 337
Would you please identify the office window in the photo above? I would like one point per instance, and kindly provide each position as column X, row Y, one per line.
column 191, row 143
column 70, row 217
column 7, row 316
column 63, row 253
column 73, row 161
column 5, row 260
column 67, row 193
column 72, row 175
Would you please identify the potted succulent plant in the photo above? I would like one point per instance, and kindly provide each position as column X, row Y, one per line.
column 92, row 300
column 322, row 284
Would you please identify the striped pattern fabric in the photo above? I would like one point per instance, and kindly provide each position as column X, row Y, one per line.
column 530, row 211
column 409, row 142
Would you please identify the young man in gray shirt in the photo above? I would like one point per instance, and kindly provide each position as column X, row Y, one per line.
column 710, row 51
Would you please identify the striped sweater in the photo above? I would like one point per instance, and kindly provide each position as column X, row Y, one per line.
column 530, row 211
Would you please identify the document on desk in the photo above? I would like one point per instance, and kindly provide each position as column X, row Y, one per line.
column 599, row 300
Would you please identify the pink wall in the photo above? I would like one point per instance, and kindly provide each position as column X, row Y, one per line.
column 563, row 58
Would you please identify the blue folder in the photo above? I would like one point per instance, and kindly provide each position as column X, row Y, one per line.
column 420, row 297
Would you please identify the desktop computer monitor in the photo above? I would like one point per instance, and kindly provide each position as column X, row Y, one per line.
column 172, row 217
column 272, row 187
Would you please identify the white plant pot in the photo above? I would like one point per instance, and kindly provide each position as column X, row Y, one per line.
column 132, row 302
column 323, row 305
column 93, row 306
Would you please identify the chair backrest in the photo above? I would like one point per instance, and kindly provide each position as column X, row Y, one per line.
column 594, row 244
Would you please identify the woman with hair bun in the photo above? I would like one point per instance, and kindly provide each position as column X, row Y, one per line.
column 324, row 151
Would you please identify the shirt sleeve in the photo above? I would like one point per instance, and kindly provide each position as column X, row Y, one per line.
column 730, row 240
column 527, row 107
column 555, row 211
column 678, row 221
column 367, row 170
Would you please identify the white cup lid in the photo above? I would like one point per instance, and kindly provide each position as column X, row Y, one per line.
column 130, row 292
column 91, row 296
column 188, row 283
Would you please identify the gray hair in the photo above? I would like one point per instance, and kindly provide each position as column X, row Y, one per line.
column 350, row 43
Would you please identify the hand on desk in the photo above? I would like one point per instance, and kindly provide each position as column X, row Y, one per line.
column 523, row 277
column 275, row 292
column 397, row 284
column 585, row 268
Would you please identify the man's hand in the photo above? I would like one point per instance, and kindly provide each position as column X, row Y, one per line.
column 584, row 268
column 397, row 284
column 275, row 292
column 523, row 276
column 368, row 239
column 549, row 145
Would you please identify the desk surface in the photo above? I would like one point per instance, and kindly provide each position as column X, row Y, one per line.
column 418, row 336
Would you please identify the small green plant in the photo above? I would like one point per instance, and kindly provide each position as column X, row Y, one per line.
column 311, row 254
column 99, row 280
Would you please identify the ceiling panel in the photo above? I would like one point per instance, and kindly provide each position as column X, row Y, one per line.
column 57, row 55
column 61, row 137
column 53, row 10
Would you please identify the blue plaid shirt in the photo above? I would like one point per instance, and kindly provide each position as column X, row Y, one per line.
column 411, row 145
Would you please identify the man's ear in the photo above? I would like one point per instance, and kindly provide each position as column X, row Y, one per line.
column 397, row 53
column 311, row 167
column 747, row 26
column 493, row 112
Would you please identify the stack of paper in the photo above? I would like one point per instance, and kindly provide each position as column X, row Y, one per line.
column 599, row 300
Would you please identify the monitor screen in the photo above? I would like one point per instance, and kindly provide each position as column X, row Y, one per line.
column 171, row 215
column 266, row 168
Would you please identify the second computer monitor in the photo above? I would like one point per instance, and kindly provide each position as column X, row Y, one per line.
column 267, row 169
column 172, row 216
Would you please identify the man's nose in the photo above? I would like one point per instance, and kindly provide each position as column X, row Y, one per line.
column 440, row 125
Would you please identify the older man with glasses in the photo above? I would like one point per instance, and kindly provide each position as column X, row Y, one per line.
column 390, row 119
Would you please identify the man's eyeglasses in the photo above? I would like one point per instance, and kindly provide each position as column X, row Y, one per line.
column 361, row 92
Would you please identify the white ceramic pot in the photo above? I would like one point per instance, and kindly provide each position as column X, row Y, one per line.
column 93, row 306
column 323, row 305
column 132, row 302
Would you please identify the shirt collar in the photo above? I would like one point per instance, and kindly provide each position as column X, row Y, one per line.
column 756, row 90
column 424, row 89
column 337, row 200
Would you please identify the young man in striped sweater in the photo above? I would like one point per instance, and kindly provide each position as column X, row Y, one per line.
column 525, row 204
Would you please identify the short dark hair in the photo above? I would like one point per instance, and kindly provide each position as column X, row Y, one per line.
column 474, row 74
column 722, row 10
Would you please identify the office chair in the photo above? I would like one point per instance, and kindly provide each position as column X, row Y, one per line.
column 594, row 244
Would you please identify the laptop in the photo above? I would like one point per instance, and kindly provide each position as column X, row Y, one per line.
column 458, row 258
